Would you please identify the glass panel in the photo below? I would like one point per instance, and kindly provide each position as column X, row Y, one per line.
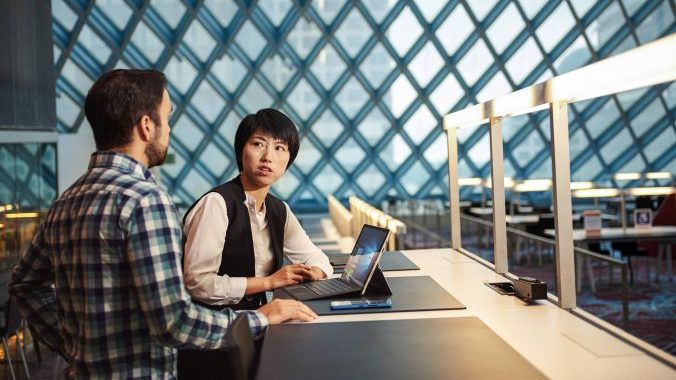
column 528, row 149
column 230, row 71
column 374, row 126
column 215, row 160
column 613, row 148
column 414, row 178
column 180, row 73
column 555, row 27
column 328, row 9
column 66, row 110
column 223, row 10
column 480, row 153
column 351, row 97
column 328, row 66
column 308, row 156
column 199, row 41
column 286, row 185
column 327, row 128
column 207, row 101
column 400, row 95
column 587, row 172
column 420, row 124
column 303, row 37
column 430, row 8
column 171, row 11
column 497, row 87
column 250, row 40
column 404, row 31
column 578, row 143
column 426, row 64
column 328, row 180
column 275, row 9
column 576, row 56
column 353, row 33
column 255, row 97
column 196, row 185
column 350, row 155
column 76, row 77
column 64, row 14
column 378, row 9
column 605, row 26
column 582, row 6
column 117, row 11
column 147, row 42
column 503, row 30
column 278, row 71
column 475, row 62
column 665, row 141
column 437, row 153
column 94, row 44
column 395, row 153
column 531, row 7
column 602, row 119
column 647, row 118
column 377, row 65
column 480, row 8
column 447, row 94
column 656, row 24
column 187, row 132
column 371, row 180
column 303, row 99
column 455, row 30
column 524, row 61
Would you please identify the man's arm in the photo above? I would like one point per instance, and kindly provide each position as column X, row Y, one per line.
column 32, row 288
column 154, row 250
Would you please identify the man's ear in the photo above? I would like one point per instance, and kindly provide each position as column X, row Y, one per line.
column 145, row 128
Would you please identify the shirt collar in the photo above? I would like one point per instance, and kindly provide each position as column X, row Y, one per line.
column 121, row 162
column 251, row 202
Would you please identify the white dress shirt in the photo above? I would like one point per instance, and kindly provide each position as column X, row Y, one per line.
column 205, row 229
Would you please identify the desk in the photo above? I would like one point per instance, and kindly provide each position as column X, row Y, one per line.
column 559, row 344
column 664, row 234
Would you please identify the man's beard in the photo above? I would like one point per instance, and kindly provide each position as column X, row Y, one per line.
column 156, row 153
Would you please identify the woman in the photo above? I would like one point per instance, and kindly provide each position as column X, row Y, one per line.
column 238, row 235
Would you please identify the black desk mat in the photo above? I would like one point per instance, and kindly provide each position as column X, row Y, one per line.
column 391, row 261
column 438, row 348
column 418, row 293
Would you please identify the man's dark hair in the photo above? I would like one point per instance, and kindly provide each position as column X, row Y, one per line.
column 270, row 122
column 118, row 100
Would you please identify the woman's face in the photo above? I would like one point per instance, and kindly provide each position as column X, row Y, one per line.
column 264, row 159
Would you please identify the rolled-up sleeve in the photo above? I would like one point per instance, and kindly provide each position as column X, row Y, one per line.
column 298, row 247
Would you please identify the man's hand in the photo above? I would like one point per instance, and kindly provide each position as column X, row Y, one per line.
column 288, row 275
column 280, row 311
column 314, row 274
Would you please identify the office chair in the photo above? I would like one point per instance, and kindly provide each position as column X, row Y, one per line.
column 236, row 361
column 10, row 325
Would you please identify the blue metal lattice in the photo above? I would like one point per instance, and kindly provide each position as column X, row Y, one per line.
column 367, row 83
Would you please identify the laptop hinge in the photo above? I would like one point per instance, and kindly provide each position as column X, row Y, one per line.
column 378, row 285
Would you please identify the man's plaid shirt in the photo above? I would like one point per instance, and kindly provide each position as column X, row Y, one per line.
column 102, row 284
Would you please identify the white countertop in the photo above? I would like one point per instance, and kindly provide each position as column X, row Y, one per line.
column 558, row 343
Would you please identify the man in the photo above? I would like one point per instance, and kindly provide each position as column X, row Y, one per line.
column 101, row 282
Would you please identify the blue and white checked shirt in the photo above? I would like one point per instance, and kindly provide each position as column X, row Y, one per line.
column 102, row 283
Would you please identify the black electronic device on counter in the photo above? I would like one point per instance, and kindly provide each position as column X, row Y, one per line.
column 530, row 289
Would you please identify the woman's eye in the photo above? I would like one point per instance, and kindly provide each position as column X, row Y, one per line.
column 282, row 148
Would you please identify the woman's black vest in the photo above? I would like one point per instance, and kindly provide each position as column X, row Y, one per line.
column 238, row 252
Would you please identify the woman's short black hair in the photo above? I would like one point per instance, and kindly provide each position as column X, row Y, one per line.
column 118, row 100
column 270, row 122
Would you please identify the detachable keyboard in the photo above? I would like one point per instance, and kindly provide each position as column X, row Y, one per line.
column 326, row 287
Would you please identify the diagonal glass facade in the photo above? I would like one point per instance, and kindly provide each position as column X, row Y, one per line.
column 367, row 83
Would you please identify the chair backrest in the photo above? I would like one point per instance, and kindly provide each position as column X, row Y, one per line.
column 241, row 349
